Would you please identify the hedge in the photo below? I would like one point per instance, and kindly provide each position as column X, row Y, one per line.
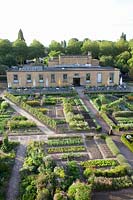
column 126, row 142
column 113, row 172
column 123, row 114
column 116, row 152
column 107, row 119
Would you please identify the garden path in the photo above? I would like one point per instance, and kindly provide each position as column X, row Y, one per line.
column 13, row 187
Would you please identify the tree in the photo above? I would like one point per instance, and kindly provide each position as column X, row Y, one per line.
column 20, row 50
column 20, row 35
column 74, row 47
column 131, row 72
column 106, row 61
column 91, row 46
column 55, row 46
column 36, row 50
column 123, row 36
column 5, row 47
column 54, row 54
column 121, row 46
column 121, row 61
column 106, row 48
column 3, row 69
column 63, row 44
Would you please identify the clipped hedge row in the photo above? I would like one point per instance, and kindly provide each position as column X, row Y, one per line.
column 103, row 183
column 126, row 142
column 33, row 103
column 20, row 124
column 116, row 152
column 123, row 114
column 113, row 172
column 123, row 126
column 107, row 120
column 34, row 111
column 99, row 163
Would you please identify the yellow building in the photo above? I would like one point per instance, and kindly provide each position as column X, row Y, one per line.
column 62, row 75
column 68, row 60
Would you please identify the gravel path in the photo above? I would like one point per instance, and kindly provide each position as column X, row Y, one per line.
column 13, row 187
column 124, row 194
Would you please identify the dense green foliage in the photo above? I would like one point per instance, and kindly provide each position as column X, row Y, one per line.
column 41, row 178
column 110, row 53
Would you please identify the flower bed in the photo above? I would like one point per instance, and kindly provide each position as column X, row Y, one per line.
column 66, row 149
column 65, row 141
column 99, row 163
column 20, row 124
column 103, row 183
column 113, row 172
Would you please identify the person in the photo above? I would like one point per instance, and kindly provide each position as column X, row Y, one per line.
column 110, row 131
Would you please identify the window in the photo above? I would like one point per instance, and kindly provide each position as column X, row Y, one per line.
column 88, row 77
column 64, row 77
column 15, row 78
column 28, row 78
column 111, row 77
column 52, row 78
column 99, row 77
column 41, row 78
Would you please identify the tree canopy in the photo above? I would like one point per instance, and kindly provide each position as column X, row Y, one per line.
column 110, row 53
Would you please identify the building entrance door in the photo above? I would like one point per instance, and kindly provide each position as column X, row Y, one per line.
column 76, row 81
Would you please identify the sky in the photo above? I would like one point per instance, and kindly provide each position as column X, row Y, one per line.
column 47, row 20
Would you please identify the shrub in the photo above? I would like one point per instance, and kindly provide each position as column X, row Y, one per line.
column 99, row 163
column 4, row 105
column 43, row 110
column 123, row 114
column 33, row 103
column 113, row 172
column 107, row 119
column 19, row 118
column 103, row 183
column 79, row 190
column 5, row 144
column 20, row 124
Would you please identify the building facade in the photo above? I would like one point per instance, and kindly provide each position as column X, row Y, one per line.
column 68, row 60
column 62, row 75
